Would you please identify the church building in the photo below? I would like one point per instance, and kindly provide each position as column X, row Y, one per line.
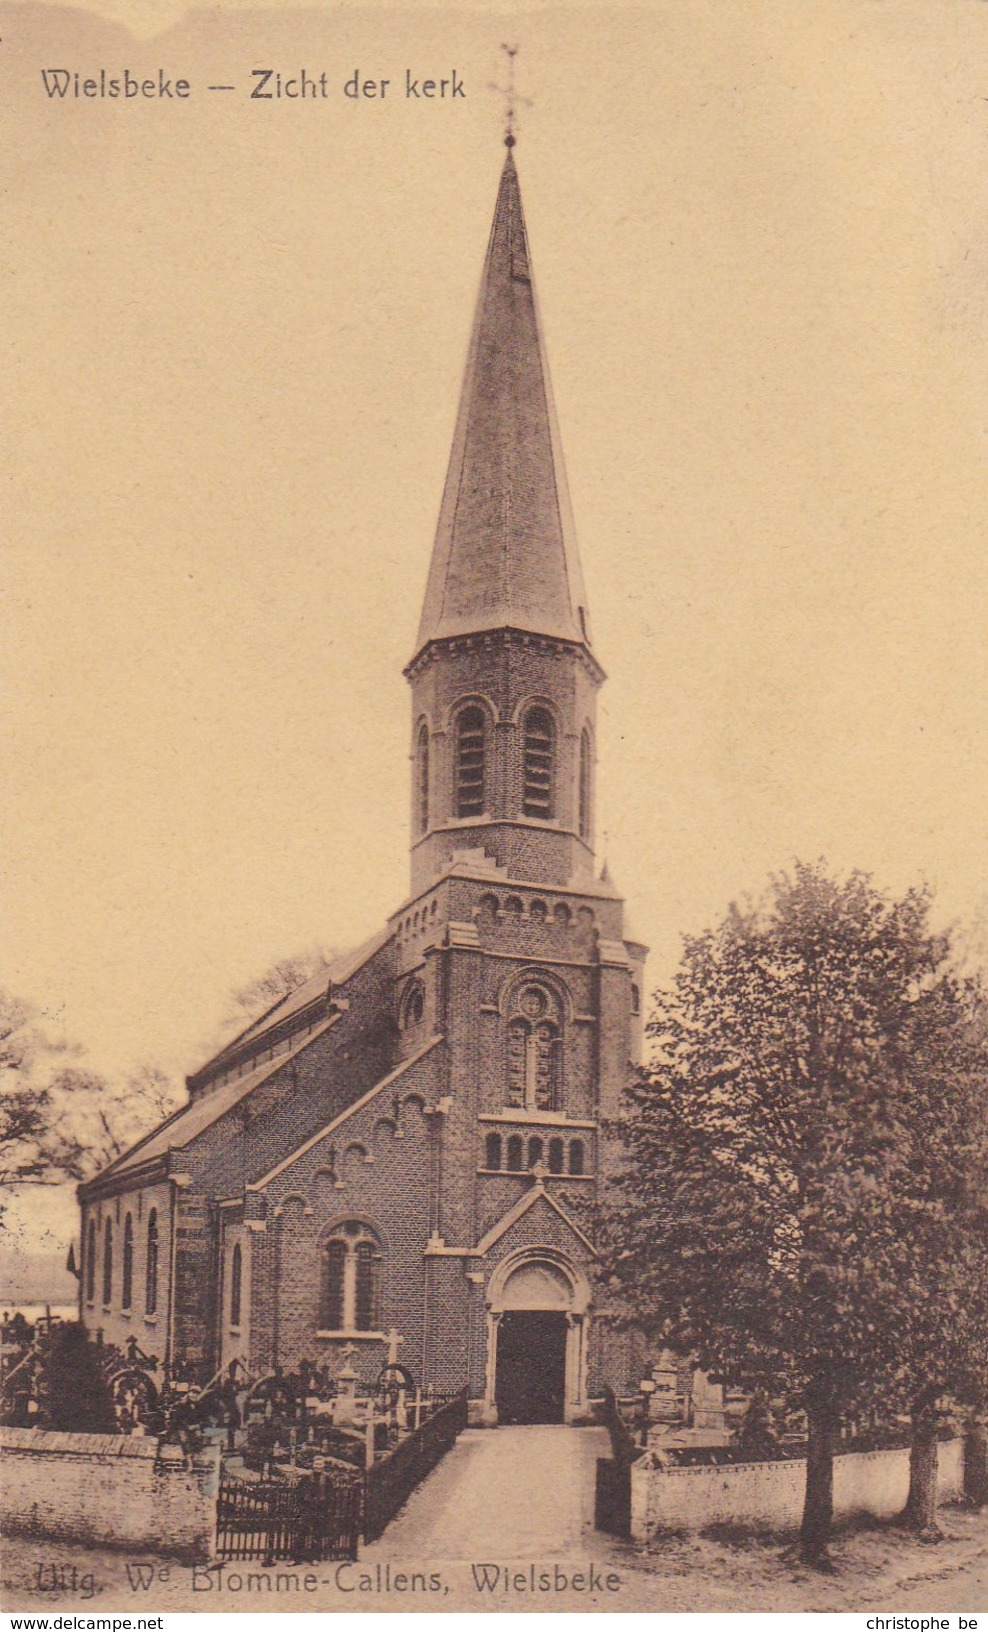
column 413, row 1142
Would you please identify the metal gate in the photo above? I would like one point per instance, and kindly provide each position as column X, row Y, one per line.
column 612, row 1503
column 304, row 1522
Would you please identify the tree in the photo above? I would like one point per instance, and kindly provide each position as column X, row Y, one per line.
column 30, row 1139
column 257, row 996
column 942, row 1207
column 59, row 1119
column 100, row 1119
column 780, row 1153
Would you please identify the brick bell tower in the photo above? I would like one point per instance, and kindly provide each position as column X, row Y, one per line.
column 510, row 947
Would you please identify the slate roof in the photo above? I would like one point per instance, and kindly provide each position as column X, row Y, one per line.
column 338, row 972
column 505, row 554
column 194, row 1118
column 206, row 1108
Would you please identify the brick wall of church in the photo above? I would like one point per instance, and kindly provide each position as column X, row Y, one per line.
column 595, row 1005
column 303, row 1094
column 374, row 1169
column 451, row 1333
column 116, row 1322
column 503, row 675
column 299, row 1097
column 497, row 1196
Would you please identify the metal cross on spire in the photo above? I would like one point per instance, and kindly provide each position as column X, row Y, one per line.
column 511, row 97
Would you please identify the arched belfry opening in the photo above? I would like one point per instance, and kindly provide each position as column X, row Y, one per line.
column 537, row 1327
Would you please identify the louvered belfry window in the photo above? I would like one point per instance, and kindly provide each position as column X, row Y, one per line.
column 538, row 768
column 471, row 733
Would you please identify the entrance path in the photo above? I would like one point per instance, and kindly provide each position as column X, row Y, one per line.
column 504, row 1493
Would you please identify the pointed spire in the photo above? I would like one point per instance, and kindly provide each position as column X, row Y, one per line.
column 505, row 554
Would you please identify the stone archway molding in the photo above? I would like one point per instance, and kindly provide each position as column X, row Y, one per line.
column 580, row 1295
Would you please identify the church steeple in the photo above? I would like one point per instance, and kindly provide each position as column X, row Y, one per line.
column 504, row 678
column 505, row 555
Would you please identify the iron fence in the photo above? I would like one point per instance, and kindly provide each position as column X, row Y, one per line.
column 324, row 1516
column 390, row 1482
column 309, row 1520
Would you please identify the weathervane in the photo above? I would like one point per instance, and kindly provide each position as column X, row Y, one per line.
column 511, row 97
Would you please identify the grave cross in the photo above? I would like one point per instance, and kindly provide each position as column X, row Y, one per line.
column 393, row 1343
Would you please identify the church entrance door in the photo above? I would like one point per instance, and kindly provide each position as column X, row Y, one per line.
column 531, row 1366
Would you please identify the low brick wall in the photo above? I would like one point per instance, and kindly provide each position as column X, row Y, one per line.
column 769, row 1495
column 108, row 1490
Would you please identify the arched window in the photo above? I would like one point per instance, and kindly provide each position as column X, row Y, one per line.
column 333, row 1267
column 351, row 1280
column 576, row 1157
column 492, row 1152
column 537, row 779
column 556, row 1151
column 515, row 1152
column 534, row 1152
column 107, row 1263
column 91, row 1261
column 236, row 1284
column 636, row 999
column 151, row 1273
column 422, row 778
column 586, row 772
column 534, row 1062
column 414, row 1005
column 518, row 1035
column 547, row 1063
column 366, row 1289
column 471, row 754
column 127, row 1286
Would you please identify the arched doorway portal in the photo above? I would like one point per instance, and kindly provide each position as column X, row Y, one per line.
column 537, row 1318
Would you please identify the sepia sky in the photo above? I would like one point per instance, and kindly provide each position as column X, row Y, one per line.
column 237, row 331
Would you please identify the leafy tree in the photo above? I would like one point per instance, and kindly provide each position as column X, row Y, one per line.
column 942, row 1208
column 783, row 1161
column 257, row 996
column 59, row 1119
column 101, row 1119
column 31, row 1141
